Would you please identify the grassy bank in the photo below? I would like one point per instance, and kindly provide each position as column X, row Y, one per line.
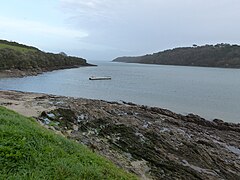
column 28, row 151
column 16, row 48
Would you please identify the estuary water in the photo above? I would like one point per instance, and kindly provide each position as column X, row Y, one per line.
column 208, row 92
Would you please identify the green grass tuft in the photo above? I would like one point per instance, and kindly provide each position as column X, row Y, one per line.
column 16, row 48
column 28, row 151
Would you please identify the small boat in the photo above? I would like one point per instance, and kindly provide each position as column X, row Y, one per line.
column 100, row 78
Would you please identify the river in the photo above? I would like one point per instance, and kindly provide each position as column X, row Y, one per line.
column 208, row 92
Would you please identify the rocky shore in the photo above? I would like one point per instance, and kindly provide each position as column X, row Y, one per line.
column 19, row 73
column 33, row 72
column 151, row 142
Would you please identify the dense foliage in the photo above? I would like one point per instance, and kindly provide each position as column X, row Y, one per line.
column 29, row 151
column 22, row 57
column 220, row 55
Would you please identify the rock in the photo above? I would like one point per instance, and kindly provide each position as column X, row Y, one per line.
column 218, row 121
column 154, row 142
column 151, row 142
column 68, row 132
column 75, row 127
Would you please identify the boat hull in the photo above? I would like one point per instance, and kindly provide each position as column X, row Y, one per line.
column 100, row 78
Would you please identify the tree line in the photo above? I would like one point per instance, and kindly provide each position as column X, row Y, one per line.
column 30, row 60
column 219, row 55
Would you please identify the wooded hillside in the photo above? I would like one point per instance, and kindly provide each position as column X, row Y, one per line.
column 18, row 56
column 220, row 55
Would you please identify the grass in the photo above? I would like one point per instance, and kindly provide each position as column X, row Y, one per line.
column 29, row 151
column 17, row 48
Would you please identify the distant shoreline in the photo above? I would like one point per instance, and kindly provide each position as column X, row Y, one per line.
column 175, row 65
column 16, row 73
column 19, row 60
column 215, row 56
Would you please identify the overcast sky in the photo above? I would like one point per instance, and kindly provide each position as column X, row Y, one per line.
column 105, row 29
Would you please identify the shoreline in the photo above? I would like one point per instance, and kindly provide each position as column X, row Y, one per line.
column 16, row 73
column 151, row 142
column 176, row 65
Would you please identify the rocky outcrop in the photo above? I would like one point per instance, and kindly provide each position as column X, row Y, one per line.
column 153, row 143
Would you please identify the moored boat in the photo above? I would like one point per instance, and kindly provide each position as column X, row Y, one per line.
column 100, row 78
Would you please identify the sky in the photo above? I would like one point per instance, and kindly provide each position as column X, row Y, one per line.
column 106, row 29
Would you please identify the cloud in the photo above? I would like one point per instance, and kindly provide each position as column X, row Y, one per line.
column 93, row 11
column 85, row 4
column 34, row 27
column 109, row 28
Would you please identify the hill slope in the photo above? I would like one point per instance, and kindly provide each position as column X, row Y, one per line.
column 16, row 46
column 28, row 151
column 19, row 57
column 220, row 55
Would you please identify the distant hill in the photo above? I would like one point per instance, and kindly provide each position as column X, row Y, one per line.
column 15, row 56
column 220, row 55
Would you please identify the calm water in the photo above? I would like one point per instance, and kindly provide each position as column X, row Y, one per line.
column 209, row 92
